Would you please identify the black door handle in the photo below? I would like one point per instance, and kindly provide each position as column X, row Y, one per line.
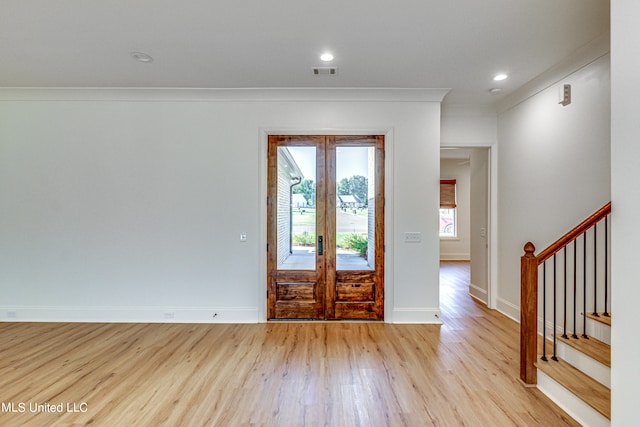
column 319, row 245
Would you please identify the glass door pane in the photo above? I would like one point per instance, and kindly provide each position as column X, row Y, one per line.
column 355, row 207
column 296, row 205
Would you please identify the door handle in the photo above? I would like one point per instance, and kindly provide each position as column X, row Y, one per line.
column 319, row 245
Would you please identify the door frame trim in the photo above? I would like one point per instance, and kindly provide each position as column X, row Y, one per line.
column 388, row 134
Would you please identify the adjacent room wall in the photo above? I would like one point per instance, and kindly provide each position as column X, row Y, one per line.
column 120, row 205
column 554, row 166
column 458, row 248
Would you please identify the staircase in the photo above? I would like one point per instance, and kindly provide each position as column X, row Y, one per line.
column 563, row 351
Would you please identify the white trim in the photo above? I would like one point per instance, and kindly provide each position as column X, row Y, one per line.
column 388, row 134
column 508, row 309
column 124, row 314
column 478, row 293
column 417, row 315
column 492, row 299
column 570, row 403
column 592, row 51
column 223, row 95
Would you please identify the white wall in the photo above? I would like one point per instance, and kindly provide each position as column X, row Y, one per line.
column 121, row 205
column 458, row 248
column 554, row 167
column 468, row 126
column 625, row 167
column 479, row 224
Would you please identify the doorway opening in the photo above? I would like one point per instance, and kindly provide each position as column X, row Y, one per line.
column 465, row 221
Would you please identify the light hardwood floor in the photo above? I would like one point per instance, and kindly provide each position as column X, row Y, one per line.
column 462, row 373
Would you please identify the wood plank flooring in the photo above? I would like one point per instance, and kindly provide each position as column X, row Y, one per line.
column 461, row 373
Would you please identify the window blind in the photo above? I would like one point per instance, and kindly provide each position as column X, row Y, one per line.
column 447, row 193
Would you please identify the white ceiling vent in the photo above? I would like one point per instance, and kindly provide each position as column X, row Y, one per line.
column 318, row 71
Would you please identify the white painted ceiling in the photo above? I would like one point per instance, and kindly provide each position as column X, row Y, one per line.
column 457, row 44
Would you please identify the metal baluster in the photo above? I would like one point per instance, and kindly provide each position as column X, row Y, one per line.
column 575, row 287
column 606, row 266
column 555, row 293
column 564, row 315
column 544, row 311
column 595, row 270
column 584, row 285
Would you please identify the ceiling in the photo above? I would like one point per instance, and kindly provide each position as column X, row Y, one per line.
column 457, row 44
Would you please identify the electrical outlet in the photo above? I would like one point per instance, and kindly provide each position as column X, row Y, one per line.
column 412, row 237
column 243, row 237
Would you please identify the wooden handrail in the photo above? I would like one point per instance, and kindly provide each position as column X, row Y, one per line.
column 573, row 234
column 529, row 263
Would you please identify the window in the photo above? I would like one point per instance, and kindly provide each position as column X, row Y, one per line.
column 448, row 208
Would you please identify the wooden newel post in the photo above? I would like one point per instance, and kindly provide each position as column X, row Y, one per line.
column 528, row 314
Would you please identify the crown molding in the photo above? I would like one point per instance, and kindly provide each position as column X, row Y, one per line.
column 224, row 95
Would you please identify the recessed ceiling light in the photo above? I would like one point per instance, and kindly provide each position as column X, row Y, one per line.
column 142, row 57
column 499, row 77
column 326, row 57
column 495, row 90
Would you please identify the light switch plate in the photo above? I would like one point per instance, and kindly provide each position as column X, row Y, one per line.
column 412, row 237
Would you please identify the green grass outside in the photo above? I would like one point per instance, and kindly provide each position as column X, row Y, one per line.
column 310, row 238
column 304, row 216
column 307, row 216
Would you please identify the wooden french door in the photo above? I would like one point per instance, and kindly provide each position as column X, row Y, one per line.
column 325, row 231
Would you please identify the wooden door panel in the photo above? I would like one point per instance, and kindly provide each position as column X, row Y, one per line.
column 337, row 288
column 355, row 311
column 359, row 293
column 295, row 291
column 295, row 288
column 298, row 310
column 354, row 292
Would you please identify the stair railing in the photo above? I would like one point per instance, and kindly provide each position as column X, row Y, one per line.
column 585, row 246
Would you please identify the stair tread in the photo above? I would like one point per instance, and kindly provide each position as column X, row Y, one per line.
column 600, row 318
column 592, row 347
column 586, row 388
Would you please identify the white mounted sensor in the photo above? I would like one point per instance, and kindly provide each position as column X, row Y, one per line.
column 564, row 95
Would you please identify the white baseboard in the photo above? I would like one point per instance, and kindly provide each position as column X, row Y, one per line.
column 130, row 314
column 508, row 309
column 455, row 257
column 478, row 293
column 416, row 315
column 570, row 403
